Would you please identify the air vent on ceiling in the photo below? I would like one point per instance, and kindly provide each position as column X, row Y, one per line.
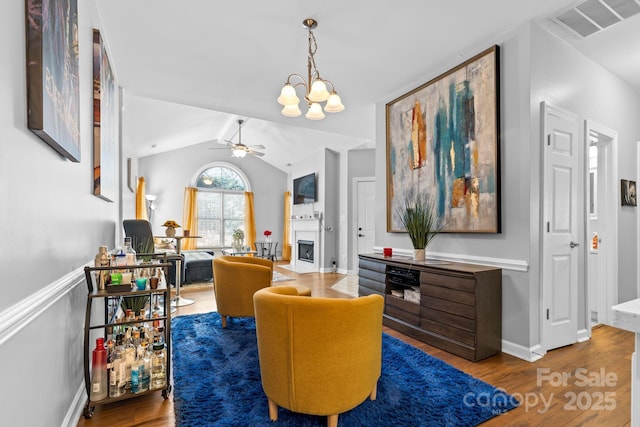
column 590, row 16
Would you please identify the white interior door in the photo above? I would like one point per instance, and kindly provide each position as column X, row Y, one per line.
column 562, row 227
column 365, row 216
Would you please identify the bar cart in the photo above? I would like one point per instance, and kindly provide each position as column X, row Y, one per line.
column 159, row 301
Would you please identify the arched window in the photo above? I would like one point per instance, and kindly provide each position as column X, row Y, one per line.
column 221, row 188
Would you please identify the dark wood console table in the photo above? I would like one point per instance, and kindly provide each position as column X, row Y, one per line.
column 456, row 307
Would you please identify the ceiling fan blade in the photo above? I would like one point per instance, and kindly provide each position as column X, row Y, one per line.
column 258, row 147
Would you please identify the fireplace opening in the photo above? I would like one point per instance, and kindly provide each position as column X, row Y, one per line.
column 305, row 250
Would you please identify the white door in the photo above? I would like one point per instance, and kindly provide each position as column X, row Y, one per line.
column 365, row 216
column 562, row 227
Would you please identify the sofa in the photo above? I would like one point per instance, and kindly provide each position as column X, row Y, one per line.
column 197, row 266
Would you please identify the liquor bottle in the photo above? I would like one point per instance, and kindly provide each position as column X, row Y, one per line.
column 103, row 259
column 119, row 369
column 129, row 252
column 99, row 371
column 158, row 366
column 129, row 355
column 145, row 379
column 117, row 374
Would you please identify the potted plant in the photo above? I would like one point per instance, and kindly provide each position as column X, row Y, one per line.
column 171, row 227
column 238, row 238
column 419, row 218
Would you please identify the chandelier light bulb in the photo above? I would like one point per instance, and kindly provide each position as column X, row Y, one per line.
column 319, row 92
column 288, row 95
column 291, row 110
column 334, row 103
column 315, row 112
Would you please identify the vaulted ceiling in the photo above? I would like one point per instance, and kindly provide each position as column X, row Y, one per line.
column 191, row 68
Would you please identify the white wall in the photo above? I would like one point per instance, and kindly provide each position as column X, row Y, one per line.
column 51, row 225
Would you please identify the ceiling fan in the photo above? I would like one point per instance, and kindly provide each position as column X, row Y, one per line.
column 239, row 149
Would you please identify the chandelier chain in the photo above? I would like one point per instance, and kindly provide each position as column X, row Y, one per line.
column 312, row 69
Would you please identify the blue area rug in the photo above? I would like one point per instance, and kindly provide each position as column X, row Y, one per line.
column 217, row 383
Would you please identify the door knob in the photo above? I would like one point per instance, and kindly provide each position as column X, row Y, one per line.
column 573, row 244
column 360, row 235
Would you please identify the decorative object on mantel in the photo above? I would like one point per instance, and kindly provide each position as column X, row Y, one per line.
column 419, row 218
column 315, row 87
column 238, row 239
column 171, row 227
column 267, row 235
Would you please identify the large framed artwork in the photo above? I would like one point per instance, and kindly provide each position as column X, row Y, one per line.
column 105, row 124
column 53, row 92
column 443, row 141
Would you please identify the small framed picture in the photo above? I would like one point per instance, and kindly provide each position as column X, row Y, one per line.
column 628, row 192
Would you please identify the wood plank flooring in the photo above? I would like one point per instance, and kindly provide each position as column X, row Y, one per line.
column 586, row 384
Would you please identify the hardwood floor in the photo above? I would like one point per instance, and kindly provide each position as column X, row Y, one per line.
column 585, row 384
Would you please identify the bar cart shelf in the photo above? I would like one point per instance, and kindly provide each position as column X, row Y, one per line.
column 111, row 299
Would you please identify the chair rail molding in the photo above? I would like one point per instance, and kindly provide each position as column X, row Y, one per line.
column 503, row 263
column 19, row 315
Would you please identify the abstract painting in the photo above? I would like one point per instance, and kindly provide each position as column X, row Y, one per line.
column 105, row 125
column 53, row 92
column 443, row 142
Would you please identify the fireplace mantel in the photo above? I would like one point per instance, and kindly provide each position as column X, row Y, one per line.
column 308, row 228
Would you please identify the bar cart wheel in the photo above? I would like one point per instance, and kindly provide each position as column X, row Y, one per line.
column 88, row 411
column 165, row 392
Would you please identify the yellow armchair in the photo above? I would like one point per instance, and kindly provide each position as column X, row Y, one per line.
column 235, row 280
column 319, row 356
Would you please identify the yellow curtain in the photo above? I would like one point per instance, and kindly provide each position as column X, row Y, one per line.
column 249, row 220
column 286, row 246
column 190, row 217
column 141, row 203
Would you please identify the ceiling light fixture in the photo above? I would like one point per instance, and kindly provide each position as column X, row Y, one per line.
column 238, row 152
column 315, row 87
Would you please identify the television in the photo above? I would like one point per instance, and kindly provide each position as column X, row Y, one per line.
column 304, row 189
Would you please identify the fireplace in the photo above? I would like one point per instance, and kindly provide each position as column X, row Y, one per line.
column 305, row 250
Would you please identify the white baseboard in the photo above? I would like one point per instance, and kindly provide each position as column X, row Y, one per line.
column 77, row 408
column 530, row 354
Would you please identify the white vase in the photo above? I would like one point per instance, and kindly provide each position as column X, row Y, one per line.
column 418, row 254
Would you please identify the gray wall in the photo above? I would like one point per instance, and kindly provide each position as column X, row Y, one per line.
column 167, row 174
column 535, row 66
column 51, row 225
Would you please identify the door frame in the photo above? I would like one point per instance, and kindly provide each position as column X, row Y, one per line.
column 611, row 205
column 354, row 219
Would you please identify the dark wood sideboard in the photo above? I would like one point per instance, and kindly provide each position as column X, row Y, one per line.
column 456, row 307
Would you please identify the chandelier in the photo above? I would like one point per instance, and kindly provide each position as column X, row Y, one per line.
column 315, row 87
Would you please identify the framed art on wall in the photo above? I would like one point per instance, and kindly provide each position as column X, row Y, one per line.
column 105, row 128
column 628, row 192
column 53, row 92
column 443, row 141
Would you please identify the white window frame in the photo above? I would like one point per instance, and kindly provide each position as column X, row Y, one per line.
column 227, row 165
